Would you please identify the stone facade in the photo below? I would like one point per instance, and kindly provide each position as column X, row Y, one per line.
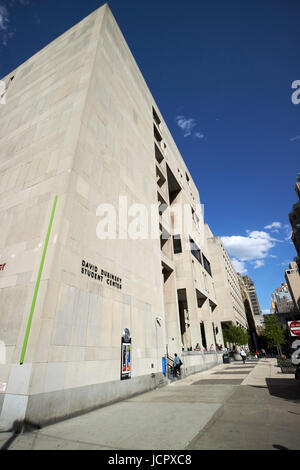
column 228, row 293
column 294, row 217
column 249, row 312
column 252, row 294
column 292, row 278
column 80, row 128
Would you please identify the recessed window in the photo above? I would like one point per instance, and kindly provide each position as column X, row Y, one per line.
column 157, row 135
column 155, row 117
column 177, row 244
column 160, row 178
column 206, row 264
column 158, row 155
column 195, row 250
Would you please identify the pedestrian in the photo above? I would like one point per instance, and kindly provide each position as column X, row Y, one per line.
column 244, row 355
column 212, row 348
column 177, row 364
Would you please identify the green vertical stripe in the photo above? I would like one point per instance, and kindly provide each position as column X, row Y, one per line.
column 37, row 285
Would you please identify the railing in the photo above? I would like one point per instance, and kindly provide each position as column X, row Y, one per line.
column 170, row 366
column 186, row 353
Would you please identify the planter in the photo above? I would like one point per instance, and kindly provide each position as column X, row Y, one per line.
column 237, row 357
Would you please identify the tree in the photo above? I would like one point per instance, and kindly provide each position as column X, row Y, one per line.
column 274, row 332
column 235, row 334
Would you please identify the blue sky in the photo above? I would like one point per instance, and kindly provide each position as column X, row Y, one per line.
column 221, row 73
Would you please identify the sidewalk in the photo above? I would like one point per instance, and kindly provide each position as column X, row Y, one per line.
column 261, row 414
column 175, row 417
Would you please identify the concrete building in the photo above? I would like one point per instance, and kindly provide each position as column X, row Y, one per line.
column 282, row 300
column 252, row 294
column 259, row 324
column 230, row 305
column 249, row 312
column 294, row 217
column 283, row 306
column 88, row 313
column 292, row 278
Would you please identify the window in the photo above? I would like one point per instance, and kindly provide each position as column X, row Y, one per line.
column 194, row 216
column 157, row 135
column 195, row 250
column 155, row 117
column 206, row 264
column 177, row 244
column 158, row 155
column 160, row 179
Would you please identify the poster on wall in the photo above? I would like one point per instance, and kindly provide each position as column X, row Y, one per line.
column 126, row 361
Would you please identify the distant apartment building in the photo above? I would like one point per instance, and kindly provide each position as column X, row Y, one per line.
column 230, row 305
column 292, row 278
column 252, row 294
column 88, row 313
column 294, row 217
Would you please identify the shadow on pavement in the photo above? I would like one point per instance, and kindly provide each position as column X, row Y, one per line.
column 17, row 428
column 287, row 389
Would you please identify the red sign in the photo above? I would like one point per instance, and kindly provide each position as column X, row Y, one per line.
column 295, row 327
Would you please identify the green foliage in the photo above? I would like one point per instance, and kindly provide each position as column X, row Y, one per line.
column 235, row 334
column 274, row 332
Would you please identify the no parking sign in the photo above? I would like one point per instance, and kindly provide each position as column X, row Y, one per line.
column 294, row 327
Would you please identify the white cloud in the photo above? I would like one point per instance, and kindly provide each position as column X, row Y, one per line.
column 295, row 138
column 259, row 263
column 289, row 233
column 273, row 225
column 4, row 18
column 5, row 31
column 239, row 266
column 199, row 135
column 186, row 125
column 255, row 246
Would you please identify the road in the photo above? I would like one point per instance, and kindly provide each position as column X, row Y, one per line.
column 230, row 407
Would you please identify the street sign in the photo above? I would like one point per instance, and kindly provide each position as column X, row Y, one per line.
column 294, row 327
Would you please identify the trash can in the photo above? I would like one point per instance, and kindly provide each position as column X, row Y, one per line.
column 226, row 358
